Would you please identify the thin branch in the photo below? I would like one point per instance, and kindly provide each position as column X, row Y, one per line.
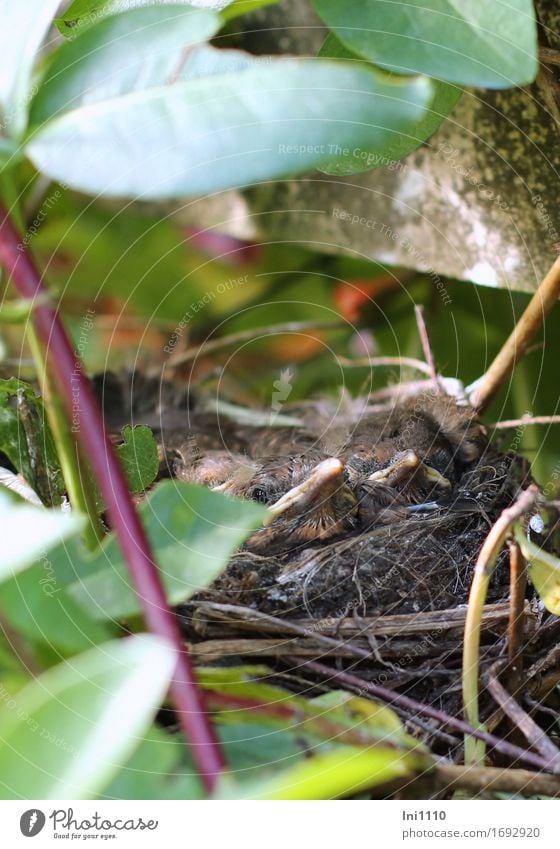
column 205, row 348
column 517, row 586
column 513, row 350
column 374, row 362
column 484, row 779
column 525, row 420
column 77, row 395
column 493, row 544
column 532, row 732
column 549, row 56
column 398, row 700
column 426, row 347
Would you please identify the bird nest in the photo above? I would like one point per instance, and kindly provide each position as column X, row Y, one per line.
column 368, row 568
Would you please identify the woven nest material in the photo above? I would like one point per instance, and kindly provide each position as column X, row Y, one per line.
column 386, row 600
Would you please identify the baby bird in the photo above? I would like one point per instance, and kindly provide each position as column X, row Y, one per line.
column 308, row 497
column 319, row 486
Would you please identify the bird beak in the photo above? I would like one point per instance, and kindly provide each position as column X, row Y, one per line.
column 405, row 467
column 398, row 471
column 321, row 483
column 432, row 475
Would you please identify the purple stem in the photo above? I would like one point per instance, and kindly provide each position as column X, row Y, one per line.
column 88, row 426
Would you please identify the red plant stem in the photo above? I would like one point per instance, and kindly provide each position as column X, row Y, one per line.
column 89, row 430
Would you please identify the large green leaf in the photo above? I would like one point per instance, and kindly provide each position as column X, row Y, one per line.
column 121, row 54
column 32, row 600
column 402, row 143
column 229, row 128
column 69, row 730
column 345, row 771
column 26, row 532
column 288, row 732
column 488, row 43
column 193, row 532
column 37, row 606
column 156, row 771
column 22, row 29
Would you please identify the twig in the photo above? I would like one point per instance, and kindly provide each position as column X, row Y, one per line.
column 525, row 420
column 532, row 732
column 382, row 362
column 549, row 56
column 482, row 779
column 202, row 350
column 426, row 347
column 90, row 433
column 513, row 350
column 517, row 585
column 493, row 544
column 396, row 624
column 351, row 649
column 361, row 686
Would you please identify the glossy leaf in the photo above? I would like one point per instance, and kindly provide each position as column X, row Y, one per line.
column 193, row 532
column 71, row 729
column 119, row 55
column 22, row 29
column 544, row 571
column 227, row 129
column 488, row 43
column 139, row 457
column 367, row 158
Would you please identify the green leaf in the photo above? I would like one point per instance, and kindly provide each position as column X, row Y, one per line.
column 119, row 55
column 27, row 441
column 544, row 571
column 156, row 771
column 235, row 8
column 367, row 158
column 139, row 457
column 345, row 771
column 193, row 532
column 32, row 599
column 71, row 729
column 82, row 14
column 487, row 43
column 27, row 532
column 247, row 121
column 374, row 723
column 22, row 29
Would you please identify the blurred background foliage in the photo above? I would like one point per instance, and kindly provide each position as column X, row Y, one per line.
column 141, row 273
